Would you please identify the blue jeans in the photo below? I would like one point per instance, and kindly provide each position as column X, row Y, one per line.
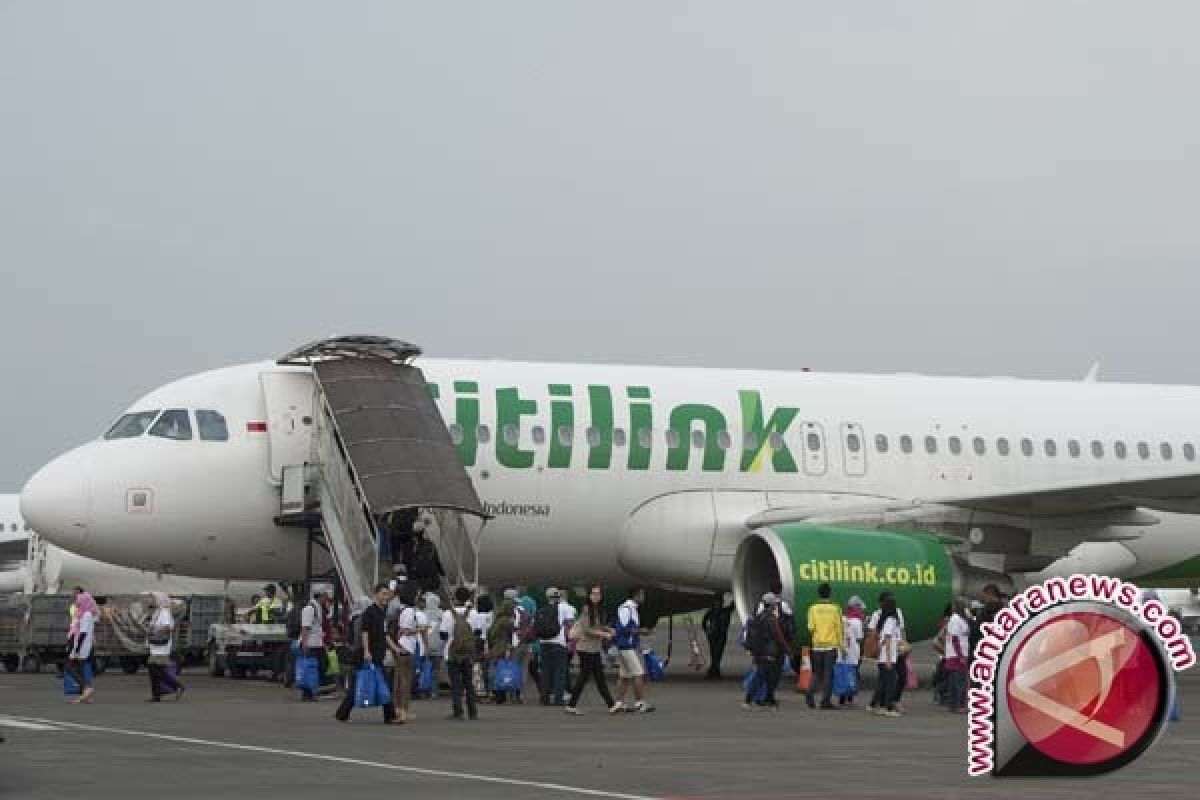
column 554, row 674
column 956, row 689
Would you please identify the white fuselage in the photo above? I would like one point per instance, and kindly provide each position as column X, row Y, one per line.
column 614, row 473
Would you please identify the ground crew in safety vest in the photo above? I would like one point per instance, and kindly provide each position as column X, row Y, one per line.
column 268, row 608
column 825, row 628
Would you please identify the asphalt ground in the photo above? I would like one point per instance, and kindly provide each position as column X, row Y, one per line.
column 253, row 739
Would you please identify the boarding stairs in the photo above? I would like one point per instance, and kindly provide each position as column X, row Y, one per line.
column 379, row 445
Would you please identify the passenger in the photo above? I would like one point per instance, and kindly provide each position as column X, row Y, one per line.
column 548, row 625
column 589, row 634
column 852, row 636
column 312, row 639
column 160, row 636
column 81, row 638
column 958, row 633
column 826, row 629
column 427, row 564
column 630, row 668
column 435, row 647
column 460, row 653
column 370, row 646
column 888, row 627
column 524, row 639
column 940, row 684
column 403, row 638
column 901, row 664
column 500, row 637
column 481, row 619
column 768, row 645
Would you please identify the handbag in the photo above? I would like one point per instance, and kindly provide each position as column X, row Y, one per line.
column 383, row 692
column 307, row 673
column 506, row 675
column 654, row 667
column 903, row 647
column 365, row 688
column 870, row 645
column 424, row 670
column 760, row 694
column 845, row 679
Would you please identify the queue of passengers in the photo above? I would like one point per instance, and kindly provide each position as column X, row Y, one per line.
column 841, row 638
column 401, row 640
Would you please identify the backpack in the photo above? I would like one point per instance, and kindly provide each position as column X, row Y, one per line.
column 545, row 622
column 626, row 634
column 523, row 624
column 760, row 637
column 462, row 642
column 500, row 634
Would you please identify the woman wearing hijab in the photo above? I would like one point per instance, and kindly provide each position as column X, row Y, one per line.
column 160, row 636
column 81, row 637
column 852, row 636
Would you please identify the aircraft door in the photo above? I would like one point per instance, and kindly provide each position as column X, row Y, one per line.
column 813, row 448
column 289, row 407
column 854, row 449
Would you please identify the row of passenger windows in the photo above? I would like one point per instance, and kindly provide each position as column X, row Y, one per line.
column 174, row 423
column 15, row 527
column 954, row 445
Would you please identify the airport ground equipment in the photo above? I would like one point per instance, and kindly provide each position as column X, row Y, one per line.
column 243, row 649
column 378, row 445
column 13, row 613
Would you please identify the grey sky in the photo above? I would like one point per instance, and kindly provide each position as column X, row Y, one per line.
column 979, row 188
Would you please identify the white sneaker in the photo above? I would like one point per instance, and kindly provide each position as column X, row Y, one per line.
column 573, row 711
column 747, row 707
column 616, row 708
column 642, row 707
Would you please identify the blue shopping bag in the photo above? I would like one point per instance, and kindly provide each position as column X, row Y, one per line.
column 308, row 673
column 760, row 696
column 70, row 685
column 424, row 676
column 506, row 675
column 654, row 666
column 383, row 692
column 845, row 680
column 366, row 687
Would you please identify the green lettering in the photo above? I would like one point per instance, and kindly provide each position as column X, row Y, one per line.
column 752, row 424
column 466, row 417
column 682, row 418
column 509, row 410
column 600, row 454
column 562, row 420
column 641, row 418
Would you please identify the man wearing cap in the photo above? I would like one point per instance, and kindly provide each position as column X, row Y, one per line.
column 554, row 648
column 768, row 645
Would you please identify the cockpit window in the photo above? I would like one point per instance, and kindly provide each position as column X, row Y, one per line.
column 131, row 425
column 211, row 426
column 173, row 424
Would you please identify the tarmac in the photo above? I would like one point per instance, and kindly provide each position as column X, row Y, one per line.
column 249, row 739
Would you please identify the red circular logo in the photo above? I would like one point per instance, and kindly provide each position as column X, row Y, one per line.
column 1083, row 688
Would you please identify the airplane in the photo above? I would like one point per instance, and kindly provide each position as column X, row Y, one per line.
column 695, row 481
column 29, row 565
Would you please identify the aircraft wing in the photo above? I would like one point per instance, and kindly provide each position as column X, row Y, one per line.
column 1178, row 493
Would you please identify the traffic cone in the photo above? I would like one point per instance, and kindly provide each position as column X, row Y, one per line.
column 804, row 674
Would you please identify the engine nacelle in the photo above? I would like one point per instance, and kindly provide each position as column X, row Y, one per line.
column 914, row 566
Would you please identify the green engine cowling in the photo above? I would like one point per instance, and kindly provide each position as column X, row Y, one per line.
column 914, row 566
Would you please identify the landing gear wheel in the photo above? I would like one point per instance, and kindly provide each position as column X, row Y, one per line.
column 12, row 663
column 216, row 663
column 129, row 665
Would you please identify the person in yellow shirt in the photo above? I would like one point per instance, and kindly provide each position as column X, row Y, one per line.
column 825, row 628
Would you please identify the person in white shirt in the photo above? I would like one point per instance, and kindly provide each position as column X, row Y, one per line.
column 901, row 657
column 852, row 636
column 631, row 669
column 160, row 640
column 403, row 637
column 890, row 631
column 312, row 638
column 958, row 636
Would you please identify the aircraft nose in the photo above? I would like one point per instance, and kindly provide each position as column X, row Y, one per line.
column 56, row 500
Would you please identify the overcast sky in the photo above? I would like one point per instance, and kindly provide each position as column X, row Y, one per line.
column 977, row 188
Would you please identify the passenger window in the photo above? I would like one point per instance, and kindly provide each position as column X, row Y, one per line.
column 1120, row 450
column 672, row 437
column 1051, row 448
column 566, row 435
column 906, row 443
column 853, row 444
column 1143, row 450
column 881, row 443
column 618, row 437
column 955, row 445
column 724, row 440
column 1166, row 451
column 1189, row 451
column 775, row 440
column 593, row 437
column 645, row 438
column 1098, row 449
column 1002, row 446
column 980, row 446
column 211, row 426
column 1027, row 447
column 814, row 443
column 173, row 424
column 539, row 434
column 483, row 434
column 511, row 435
column 131, row 425
column 749, row 441
column 1073, row 448
column 930, row 445
column 698, row 440
column 456, row 434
